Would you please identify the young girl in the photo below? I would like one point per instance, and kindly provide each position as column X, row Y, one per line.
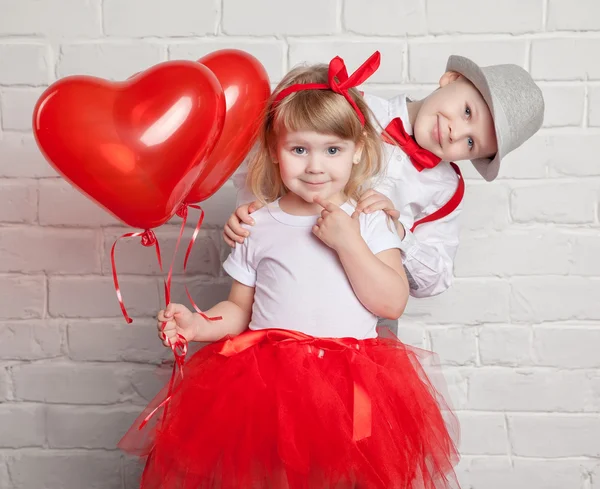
column 297, row 391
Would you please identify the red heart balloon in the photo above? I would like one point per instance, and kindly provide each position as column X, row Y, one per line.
column 135, row 147
column 246, row 86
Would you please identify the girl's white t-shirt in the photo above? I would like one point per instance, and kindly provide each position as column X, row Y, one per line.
column 299, row 281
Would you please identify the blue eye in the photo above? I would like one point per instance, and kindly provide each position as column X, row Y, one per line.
column 333, row 150
column 470, row 143
column 299, row 150
column 468, row 111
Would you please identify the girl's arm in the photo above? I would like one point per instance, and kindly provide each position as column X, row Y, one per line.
column 379, row 280
column 235, row 311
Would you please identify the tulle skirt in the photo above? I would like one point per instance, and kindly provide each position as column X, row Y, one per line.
column 283, row 410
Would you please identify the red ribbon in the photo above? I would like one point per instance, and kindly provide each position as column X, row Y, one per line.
column 339, row 81
column 362, row 410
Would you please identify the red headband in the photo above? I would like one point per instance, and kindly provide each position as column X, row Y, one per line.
column 337, row 69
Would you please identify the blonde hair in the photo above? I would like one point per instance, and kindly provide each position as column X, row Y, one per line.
column 321, row 111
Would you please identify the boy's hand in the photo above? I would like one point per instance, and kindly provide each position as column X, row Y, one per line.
column 335, row 227
column 233, row 231
column 372, row 201
column 179, row 321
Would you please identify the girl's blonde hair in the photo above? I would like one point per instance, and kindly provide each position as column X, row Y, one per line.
column 321, row 111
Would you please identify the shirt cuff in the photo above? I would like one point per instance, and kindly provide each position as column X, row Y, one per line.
column 409, row 243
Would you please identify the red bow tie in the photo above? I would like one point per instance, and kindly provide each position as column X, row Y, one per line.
column 420, row 157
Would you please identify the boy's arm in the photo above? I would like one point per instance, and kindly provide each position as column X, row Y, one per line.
column 429, row 253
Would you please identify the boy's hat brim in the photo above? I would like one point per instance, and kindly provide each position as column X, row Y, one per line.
column 515, row 101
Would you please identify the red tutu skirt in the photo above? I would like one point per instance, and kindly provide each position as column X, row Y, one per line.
column 279, row 409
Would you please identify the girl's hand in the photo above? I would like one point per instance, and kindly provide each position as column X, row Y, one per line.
column 234, row 232
column 372, row 201
column 179, row 321
column 335, row 227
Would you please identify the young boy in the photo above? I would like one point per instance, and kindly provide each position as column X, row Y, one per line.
column 477, row 113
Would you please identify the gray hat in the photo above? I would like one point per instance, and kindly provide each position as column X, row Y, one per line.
column 515, row 101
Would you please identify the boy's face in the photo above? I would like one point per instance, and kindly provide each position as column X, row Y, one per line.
column 455, row 123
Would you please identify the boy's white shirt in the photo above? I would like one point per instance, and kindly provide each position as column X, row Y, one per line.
column 429, row 252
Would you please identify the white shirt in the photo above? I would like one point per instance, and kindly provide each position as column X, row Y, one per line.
column 428, row 253
column 299, row 281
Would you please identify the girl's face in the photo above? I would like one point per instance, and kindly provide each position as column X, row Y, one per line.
column 314, row 164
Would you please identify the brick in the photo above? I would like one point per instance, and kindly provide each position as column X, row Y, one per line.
column 17, row 107
column 23, row 425
column 482, row 434
column 21, row 158
column 132, row 472
column 385, row 17
column 18, row 202
column 555, row 435
column 557, row 154
column 566, row 346
column 567, row 203
column 88, row 427
column 500, row 473
column 133, row 258
column 444, row 18
column 480, row 256
column 61, row 204
column 22, row 297
column 411, row 333
column 493, row 197
column 5, row 385
column 466, row 302
column 583, row 15
column 219, row 207
column 455, row 345
column 543, row 299
column 155, row 18
column 95, row 296
column 64, row 250
column 354, row 54
column 500, row 389
column 147, row 382
column 31, row 340
column 113, row 61
column 205, row 293
column 4, row 477
column 594, row 106
column 457, row 387
column 71, row 383
column 29, row 64
column 552, row 59
column 286, row 17
column 505, row 345
column 55, row 469
column 529, row 160
column 563, row 106
column 271, row 54
column 42, row 18
column 584, row 258
column 110, row 341
column 427, row 59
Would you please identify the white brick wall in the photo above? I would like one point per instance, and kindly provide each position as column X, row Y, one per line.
column 519, row 332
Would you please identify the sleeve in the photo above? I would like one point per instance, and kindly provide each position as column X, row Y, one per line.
column 380, row 233
column 429, row 255
column 239, row 265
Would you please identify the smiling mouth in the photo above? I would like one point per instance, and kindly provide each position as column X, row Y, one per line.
column 437, row 133
column 315, row 184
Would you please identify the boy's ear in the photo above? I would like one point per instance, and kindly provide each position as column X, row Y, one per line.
column 449, row 77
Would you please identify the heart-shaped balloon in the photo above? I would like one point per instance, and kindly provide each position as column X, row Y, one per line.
column 135, row 147
column 246, row 87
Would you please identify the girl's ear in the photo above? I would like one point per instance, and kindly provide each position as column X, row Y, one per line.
column 358, row 152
